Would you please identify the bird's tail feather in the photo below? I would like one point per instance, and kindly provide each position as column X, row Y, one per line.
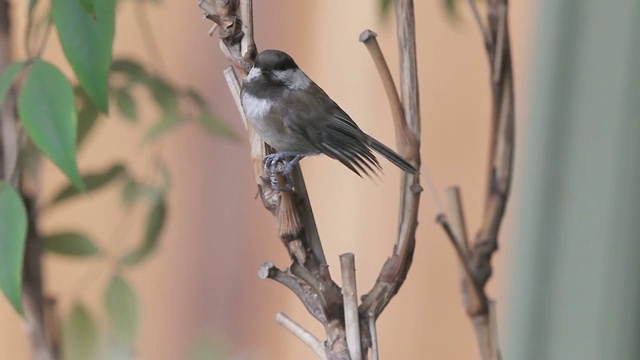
column 391, row 155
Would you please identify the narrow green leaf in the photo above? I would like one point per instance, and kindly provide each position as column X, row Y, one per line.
column 47, row 112
column 71, row 244
column 6, row 79
column 88, row 114
column 13, row 232
column 93, row 181
column 165, row 96
column 126, row 104
column 162, row 127
column 134, row 71
column 123, row 309
column 196, row 98
column 155, row 222
column 80, row 339
column 215, row 126
column 87, row 42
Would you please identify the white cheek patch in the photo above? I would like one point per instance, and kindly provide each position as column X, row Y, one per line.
column 255, row 108
column 294, row 78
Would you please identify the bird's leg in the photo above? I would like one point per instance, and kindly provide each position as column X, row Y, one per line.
column 272, row 167
column 271, row 162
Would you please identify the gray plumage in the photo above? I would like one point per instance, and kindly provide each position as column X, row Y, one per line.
column 296, row 117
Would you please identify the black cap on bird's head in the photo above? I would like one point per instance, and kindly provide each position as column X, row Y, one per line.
column 274, row 60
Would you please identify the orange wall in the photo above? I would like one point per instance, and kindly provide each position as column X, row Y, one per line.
column 202, row 282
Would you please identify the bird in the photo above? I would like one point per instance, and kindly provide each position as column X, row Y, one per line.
column 294, row 116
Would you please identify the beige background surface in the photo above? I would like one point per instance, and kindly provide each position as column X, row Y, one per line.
column 201, row 284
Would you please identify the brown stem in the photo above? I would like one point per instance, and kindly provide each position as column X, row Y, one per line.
column 308, row 277
column 350, row 295
column 480, row 308
column 395, row 269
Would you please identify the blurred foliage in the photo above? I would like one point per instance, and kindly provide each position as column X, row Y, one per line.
column 58, row 117
column 13, row 231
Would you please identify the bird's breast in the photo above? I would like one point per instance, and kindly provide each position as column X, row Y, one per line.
column 255, row 108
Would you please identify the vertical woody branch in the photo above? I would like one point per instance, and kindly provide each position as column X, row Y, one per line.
column 406, row 114
column 477, row 257
column 308, row 276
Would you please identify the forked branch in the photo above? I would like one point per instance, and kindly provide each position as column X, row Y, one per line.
column 477, row 257
column 349, row 327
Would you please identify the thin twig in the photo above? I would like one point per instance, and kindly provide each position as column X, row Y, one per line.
column 301, row 333
column 481, row 26
column 456, row 217
column 404, row 137
column 374, row 338
column 477, row 299
column 350, row 296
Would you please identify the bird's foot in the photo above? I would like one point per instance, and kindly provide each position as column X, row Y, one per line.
column 277, row 164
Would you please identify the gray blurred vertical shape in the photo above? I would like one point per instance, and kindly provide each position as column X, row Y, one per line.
column 574, row 287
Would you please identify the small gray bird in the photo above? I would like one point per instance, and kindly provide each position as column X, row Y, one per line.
column 297, row 118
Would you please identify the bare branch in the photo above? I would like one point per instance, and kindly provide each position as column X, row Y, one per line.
column 476, row 261
column 404, row 138
column 395, row 269
column 301, row 333
column 374, row 338
column 456, row 215
column 476, row 16
column 350, row 298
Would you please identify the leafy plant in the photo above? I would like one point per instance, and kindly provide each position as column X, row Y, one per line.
column 58, row 117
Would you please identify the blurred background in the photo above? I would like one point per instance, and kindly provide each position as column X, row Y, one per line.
column 200, row 291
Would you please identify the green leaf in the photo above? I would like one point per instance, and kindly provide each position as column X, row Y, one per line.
column 13, row 232
column 88, row 114
column 87, row 43
column 215, row 126
column 134, row 71
column 88, row 6
column 196, row 98
column 165, row 96
column 123, row 309
column 155, row 222
column 80, row 339
column 47, row 112
column 71, row 244
column 126, row 104
column 6, row 79
column 93, row 181
column 160, row 128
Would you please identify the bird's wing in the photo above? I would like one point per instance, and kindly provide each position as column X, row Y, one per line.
column 331, row 131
